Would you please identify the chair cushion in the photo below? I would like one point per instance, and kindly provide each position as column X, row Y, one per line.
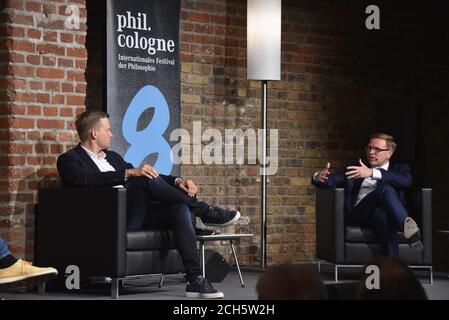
column 153, row 261
column 359, row 234
column 150, row 240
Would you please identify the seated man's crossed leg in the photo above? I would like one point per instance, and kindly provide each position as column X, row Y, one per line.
column 141, row 190
column 172, row 211
column 383, row 211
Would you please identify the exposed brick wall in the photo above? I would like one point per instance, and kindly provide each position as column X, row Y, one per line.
column 214, row 91
column 335, row 77
column 42, row 87
column 313, row 123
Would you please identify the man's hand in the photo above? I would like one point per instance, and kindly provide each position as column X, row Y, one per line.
column 144, row 170
column 322, row 175
column 355, row 172
column 188, row 187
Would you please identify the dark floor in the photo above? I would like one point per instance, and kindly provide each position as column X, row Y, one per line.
column 174, row 288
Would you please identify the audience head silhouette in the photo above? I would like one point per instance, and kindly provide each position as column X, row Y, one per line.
column 396, row 282
column 291, row 282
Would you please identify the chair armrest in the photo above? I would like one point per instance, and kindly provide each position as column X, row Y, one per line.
column 330, row 228
column 82, row 227
column 421, row 209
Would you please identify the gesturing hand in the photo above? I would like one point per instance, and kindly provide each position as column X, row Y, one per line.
column 322, row 176
column 188, row 187
column 355, row 172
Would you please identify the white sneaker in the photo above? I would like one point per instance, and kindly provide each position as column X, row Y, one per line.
column 412, row 234
column 410, row 228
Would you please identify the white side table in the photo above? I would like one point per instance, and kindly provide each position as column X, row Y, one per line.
column 222, row 236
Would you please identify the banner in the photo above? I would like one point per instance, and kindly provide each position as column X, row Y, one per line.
column 143, row 80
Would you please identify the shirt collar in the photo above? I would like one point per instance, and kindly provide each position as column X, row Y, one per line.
column 385, row 166
column 93, row 156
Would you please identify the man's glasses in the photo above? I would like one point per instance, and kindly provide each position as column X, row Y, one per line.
column 376, row 150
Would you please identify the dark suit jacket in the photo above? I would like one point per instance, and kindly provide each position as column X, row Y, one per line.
column 398, row 176
column 77, row 169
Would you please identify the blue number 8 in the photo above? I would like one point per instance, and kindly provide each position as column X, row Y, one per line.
column 149, row 140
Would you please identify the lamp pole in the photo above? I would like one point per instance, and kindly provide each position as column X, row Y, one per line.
column 264, row 63
column 263, row 238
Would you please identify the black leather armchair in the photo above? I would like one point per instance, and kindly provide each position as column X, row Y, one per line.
column 87, row 228
column 346, row 246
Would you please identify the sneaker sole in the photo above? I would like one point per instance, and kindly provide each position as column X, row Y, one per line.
column 38, row 275
column 416, row 246
column 230, row 222
column 193, row 295
column 26, row 284
column 216, row 295
column 415, row 242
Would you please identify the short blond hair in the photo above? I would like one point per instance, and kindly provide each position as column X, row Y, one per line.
column 391, row 144
column 88, row 120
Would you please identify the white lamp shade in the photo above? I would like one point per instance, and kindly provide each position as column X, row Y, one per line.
column 264, row 39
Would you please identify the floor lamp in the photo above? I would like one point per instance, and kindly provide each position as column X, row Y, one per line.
column 264, row 63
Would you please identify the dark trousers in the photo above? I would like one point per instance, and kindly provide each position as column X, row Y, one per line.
column 383, row 211
column 171, row 210
column 177, row 217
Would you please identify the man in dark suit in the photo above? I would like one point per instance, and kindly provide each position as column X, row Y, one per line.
column 90, row 165
column 375, row 195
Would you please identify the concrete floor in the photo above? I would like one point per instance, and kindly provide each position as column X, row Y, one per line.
column 174, row 289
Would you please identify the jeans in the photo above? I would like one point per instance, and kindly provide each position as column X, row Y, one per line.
column 383, row 211
column 142, row 190
column 4, row 251
column 172, row 210
column 177, row 217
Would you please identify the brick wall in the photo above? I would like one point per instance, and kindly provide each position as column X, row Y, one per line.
column 213, row 58
column 314, row 120
column 42, row 87
column 336, row 76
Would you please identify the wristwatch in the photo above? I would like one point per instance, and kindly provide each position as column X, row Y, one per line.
column 178, row 180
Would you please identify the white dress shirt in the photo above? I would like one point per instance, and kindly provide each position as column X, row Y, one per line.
column 101, row 162
column 369, row 184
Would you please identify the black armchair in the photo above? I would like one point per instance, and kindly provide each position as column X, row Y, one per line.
column 346, row 246
column 87, row 228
